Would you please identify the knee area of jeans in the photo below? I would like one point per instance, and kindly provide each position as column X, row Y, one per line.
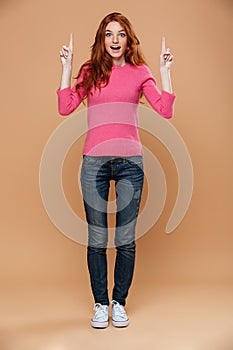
column 127, row 247
column 96, row 250
column 98, row 242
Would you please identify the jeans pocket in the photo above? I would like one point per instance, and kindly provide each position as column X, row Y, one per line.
column 136, row 161
column 93, row 161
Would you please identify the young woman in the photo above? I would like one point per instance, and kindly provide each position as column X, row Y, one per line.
column 113, row 80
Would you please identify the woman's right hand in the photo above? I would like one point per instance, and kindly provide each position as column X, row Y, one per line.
column 66, row 53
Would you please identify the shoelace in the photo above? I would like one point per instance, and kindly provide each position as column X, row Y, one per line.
column 100, row 310
column 118, row 309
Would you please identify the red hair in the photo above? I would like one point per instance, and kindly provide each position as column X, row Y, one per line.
column 97, row 69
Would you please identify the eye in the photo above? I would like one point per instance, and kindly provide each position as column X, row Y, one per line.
column 108, row 34
column 122, row 35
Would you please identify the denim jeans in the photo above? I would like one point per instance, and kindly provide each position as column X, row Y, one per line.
column 128, row 175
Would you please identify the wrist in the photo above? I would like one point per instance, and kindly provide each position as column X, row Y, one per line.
column 165, row 70
column 67, row 66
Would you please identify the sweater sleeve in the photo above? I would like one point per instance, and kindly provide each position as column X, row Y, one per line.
column 69, row 99
column 162, row 102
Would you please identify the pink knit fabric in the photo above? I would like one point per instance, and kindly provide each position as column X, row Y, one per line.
column 113, row 111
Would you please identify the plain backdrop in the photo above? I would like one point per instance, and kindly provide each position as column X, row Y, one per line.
column 33, row 252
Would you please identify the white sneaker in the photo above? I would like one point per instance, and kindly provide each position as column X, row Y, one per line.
column 100, row 319
column 119, row 316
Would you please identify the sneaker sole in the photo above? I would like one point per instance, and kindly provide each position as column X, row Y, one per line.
column 120, row 323
column 95, row 324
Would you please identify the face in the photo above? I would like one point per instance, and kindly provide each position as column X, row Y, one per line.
column 116, row 42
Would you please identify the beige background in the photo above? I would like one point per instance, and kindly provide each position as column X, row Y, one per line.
column 181, row 297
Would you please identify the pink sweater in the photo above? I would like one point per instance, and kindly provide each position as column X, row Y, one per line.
column 113, row 111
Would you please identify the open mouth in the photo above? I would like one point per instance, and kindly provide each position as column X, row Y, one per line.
column 115, row 47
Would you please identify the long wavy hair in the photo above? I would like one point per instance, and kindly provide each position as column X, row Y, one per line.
column 97, row 70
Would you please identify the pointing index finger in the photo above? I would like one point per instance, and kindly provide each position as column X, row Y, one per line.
column 163, row 44
column 71, row 42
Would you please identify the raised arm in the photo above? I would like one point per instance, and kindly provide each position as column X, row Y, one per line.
column 68, row 98
column 165, row 64
column 162, row 102
column 66, row 55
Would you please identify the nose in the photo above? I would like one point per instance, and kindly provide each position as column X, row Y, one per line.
column 115, row 38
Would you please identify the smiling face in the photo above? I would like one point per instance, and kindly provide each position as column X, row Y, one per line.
column 116, row 42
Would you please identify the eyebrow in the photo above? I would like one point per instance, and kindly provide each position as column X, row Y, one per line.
column 122, row 30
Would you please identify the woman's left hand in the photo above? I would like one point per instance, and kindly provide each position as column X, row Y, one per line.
column 166, row 57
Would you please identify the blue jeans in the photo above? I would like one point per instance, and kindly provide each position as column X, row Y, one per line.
column 96, row 174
